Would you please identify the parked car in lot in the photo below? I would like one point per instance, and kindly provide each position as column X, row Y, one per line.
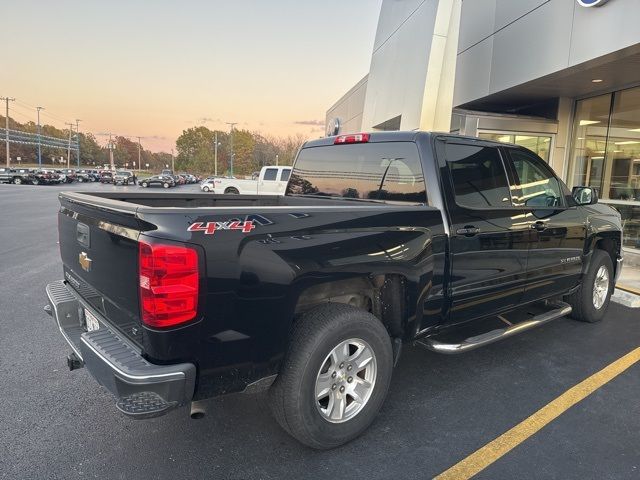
column 270, row 181
column 208, row 185
column 68, row 175
column 381, row 239
column 124, row 177
column 46, row 176
column 164, row 181
column 106, row 176
column 17, row 176
column 87, row 175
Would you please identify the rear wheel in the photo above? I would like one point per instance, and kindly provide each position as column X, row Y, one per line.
column 145, row 184
column 165, row 185
column 335, row 376
column 205, row 189
column 232, row 191
column 17, row 181
column 36, row 181
column 592, row 298
column 80, row 180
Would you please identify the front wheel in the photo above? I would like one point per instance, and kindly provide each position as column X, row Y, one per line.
column 205, row 189
column 165, row 185
column 80, row 180
column 335, row 376
column 232, row 191
column 590, row 301
column 145, row 184
column 17, row 181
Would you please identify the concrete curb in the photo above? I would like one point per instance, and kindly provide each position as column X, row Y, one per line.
column 626, row 299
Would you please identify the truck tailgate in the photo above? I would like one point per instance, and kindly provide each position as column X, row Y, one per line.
column 99, row 250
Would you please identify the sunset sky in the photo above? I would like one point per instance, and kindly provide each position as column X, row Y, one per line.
column 154, row 68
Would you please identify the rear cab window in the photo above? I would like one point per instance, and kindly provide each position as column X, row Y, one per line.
column 382, row 171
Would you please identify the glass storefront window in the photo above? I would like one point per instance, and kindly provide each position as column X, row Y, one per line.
column 623, row 148
column 606, row 154
column 540, row 145
column 590, row 141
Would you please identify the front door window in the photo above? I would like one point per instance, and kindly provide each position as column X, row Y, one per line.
column 538, row 186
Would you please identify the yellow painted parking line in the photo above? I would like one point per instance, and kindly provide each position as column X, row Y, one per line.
column 494, row 450
column 628, row 289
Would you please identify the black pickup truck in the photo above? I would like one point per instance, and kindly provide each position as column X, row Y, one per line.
column 382, row 239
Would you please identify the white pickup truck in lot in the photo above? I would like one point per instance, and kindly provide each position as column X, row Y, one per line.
column 271, row 181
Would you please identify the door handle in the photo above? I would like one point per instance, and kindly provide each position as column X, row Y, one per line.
column 468, row 231
column 539, row 226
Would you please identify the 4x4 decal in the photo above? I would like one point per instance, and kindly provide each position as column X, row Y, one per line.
column 209, row 228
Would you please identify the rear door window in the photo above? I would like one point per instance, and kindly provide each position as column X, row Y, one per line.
column 478, row 176
column 389, row 171
column 270, row 174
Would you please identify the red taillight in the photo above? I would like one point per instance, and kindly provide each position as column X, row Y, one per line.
column 355, row 138
column 169, row 284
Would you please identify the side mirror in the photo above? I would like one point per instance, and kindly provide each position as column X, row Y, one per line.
column 585, row 195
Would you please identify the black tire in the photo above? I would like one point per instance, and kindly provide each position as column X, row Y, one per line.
column 582, row 300
column 36, row 181
column 165, row 185
column 145, row 184
column 17, row 181
column 292, row 397
column 232, row 191
column 205, row 189
column 80, row 180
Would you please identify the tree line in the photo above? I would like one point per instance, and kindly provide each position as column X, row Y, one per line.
column 251, row 150
column 195, row 150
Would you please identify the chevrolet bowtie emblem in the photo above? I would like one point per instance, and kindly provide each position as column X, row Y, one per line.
column 84, row 261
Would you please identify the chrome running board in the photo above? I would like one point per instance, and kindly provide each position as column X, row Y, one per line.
column 559, row 309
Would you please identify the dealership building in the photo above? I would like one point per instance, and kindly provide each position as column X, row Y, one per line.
column 560, row 77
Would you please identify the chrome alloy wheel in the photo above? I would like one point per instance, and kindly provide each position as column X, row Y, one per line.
column 346, row 380
column 600, row 287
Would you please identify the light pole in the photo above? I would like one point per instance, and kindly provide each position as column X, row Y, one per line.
column 233, row 124
column 78, row 138
column 173, row 170
column 139, row 164
column 39, row 138
column 215, row 173
column 111, row 154
column 6, row 131
column 69, row 147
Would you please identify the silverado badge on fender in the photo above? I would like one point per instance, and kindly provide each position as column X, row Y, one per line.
column 210, row 228
column 84, row 261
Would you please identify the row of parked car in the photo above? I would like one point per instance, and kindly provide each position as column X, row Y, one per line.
column 46, row 176
column 168, row 179
column 50, row 176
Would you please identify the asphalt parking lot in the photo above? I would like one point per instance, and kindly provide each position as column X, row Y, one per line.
column 61, row 424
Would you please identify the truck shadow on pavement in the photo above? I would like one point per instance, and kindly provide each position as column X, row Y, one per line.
column 439, row 408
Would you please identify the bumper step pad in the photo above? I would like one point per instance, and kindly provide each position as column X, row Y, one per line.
column 144, row 405
column 142, row 389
